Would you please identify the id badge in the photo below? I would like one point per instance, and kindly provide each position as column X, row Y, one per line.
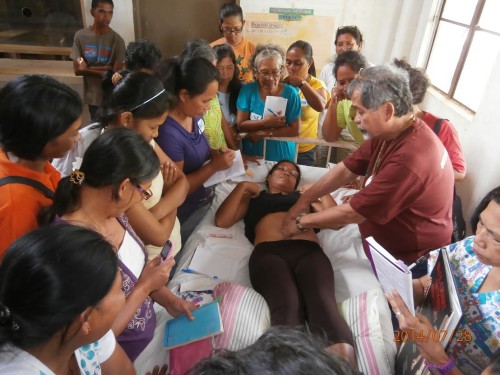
column 255, row 116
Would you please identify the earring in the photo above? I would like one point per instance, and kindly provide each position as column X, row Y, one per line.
column 89, row 330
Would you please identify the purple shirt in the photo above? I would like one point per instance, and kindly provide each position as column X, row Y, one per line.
column 140, row 330
column 194, row 151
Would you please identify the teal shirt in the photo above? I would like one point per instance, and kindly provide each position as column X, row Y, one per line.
column 249, row 101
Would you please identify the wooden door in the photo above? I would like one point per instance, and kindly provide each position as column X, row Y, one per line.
column 171, row 23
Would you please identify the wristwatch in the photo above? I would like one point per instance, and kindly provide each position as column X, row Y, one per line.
column 444, row 369
column 301, row 84
column 297, row 222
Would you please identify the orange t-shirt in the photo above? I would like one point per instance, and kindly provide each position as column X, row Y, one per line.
column 243, row 52
column 19, row 203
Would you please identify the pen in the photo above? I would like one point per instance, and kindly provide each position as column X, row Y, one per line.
column 188, row 270
column 270, row 110
column 420, row 260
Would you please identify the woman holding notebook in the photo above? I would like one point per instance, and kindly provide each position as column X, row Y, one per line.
column 475, row 265
column 194, row 82
column 260, row 119
column 116, row 173
column 293, row 275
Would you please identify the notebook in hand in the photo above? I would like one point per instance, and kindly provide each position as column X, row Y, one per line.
column 181, row 331
column 392, row 273
column 275, row 106
column 235, row 170
column 442, row 307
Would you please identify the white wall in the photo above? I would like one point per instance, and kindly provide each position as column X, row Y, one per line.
column 377, row 20
column 123, row 19
column 479, row 135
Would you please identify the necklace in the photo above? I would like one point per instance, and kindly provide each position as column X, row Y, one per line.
column 91, row 224
column 381, row 154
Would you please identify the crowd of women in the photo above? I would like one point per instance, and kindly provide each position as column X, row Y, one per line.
column 85, row 211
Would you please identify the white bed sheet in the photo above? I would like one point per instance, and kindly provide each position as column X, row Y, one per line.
column 353, row 273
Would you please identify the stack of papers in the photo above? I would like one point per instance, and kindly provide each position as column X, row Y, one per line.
column 217, row 262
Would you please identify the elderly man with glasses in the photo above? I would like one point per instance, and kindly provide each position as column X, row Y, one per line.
column 406, row 197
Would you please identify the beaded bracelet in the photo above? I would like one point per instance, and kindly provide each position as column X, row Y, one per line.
column 444, row 369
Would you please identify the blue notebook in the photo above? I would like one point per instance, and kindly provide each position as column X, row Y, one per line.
column 181, row 331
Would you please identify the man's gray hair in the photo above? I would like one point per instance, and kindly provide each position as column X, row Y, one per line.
column 381, row 84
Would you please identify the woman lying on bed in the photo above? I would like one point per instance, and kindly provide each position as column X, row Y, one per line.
column 294, row 276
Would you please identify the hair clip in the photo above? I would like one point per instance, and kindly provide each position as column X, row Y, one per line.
column 147, row 101
column 117, row 77
column 6, row 318
column 77, row 177
column 14, row 326
column 4, row 314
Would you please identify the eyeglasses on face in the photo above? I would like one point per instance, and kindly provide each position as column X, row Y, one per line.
column 273, row 74
column 146, row 193
column 291, row 172
column 234, row 30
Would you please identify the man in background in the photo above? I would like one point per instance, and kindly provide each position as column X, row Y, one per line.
column 96, row 50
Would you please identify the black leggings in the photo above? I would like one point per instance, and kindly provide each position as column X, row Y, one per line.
column 295, row 278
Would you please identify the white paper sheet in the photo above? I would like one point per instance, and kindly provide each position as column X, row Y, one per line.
column 275, row 106
column 237, row 169
column 214, row 263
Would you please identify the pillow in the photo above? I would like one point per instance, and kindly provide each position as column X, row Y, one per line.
column 362, row 315
column 245, row 316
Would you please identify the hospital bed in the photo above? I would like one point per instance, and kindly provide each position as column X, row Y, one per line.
column 245, row 313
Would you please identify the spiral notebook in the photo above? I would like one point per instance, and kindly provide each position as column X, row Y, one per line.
column 181, row 331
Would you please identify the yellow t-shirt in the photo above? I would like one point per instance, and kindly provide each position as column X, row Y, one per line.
column 243, row 52
column 309, row 117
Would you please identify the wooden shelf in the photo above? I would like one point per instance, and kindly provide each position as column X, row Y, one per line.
column 63, row 70
column 35, row 50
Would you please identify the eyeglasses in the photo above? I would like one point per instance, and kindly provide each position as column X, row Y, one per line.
column 273, row 74
column 229, row 30
column 291, row 172
column 146, row 194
